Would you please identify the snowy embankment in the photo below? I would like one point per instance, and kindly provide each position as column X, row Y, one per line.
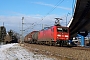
column 16, row 52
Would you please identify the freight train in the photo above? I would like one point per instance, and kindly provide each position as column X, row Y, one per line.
column 54, row 35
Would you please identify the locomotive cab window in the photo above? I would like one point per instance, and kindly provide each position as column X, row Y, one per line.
column 62, row 29
column 65, row 30
column 59, row 29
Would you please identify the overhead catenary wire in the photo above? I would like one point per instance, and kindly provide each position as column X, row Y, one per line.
column 57, row 4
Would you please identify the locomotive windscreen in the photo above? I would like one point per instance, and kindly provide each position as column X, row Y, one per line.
column 59, row 29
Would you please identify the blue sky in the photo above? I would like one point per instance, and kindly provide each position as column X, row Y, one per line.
column 32, row 7
column 33, row 11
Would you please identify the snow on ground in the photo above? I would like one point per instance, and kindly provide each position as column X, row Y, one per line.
column 16, row 52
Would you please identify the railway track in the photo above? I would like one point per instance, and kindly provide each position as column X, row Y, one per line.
column 73, row 53
column 82, row 48
column 86, row 48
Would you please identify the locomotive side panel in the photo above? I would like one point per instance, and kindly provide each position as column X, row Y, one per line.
column 45, row 35
column 40, row 36
column 54, row 33
column 48, row 35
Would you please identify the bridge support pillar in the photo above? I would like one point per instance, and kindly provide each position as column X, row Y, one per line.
column 70, row 41
column 82, row 40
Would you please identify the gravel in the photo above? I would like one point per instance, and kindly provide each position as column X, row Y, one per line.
column 61, row 53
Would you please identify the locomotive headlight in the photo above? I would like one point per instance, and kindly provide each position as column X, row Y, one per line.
column 66, row 35
column 58, row 35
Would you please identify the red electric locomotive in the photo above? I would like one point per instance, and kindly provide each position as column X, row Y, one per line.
column 54, row 35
